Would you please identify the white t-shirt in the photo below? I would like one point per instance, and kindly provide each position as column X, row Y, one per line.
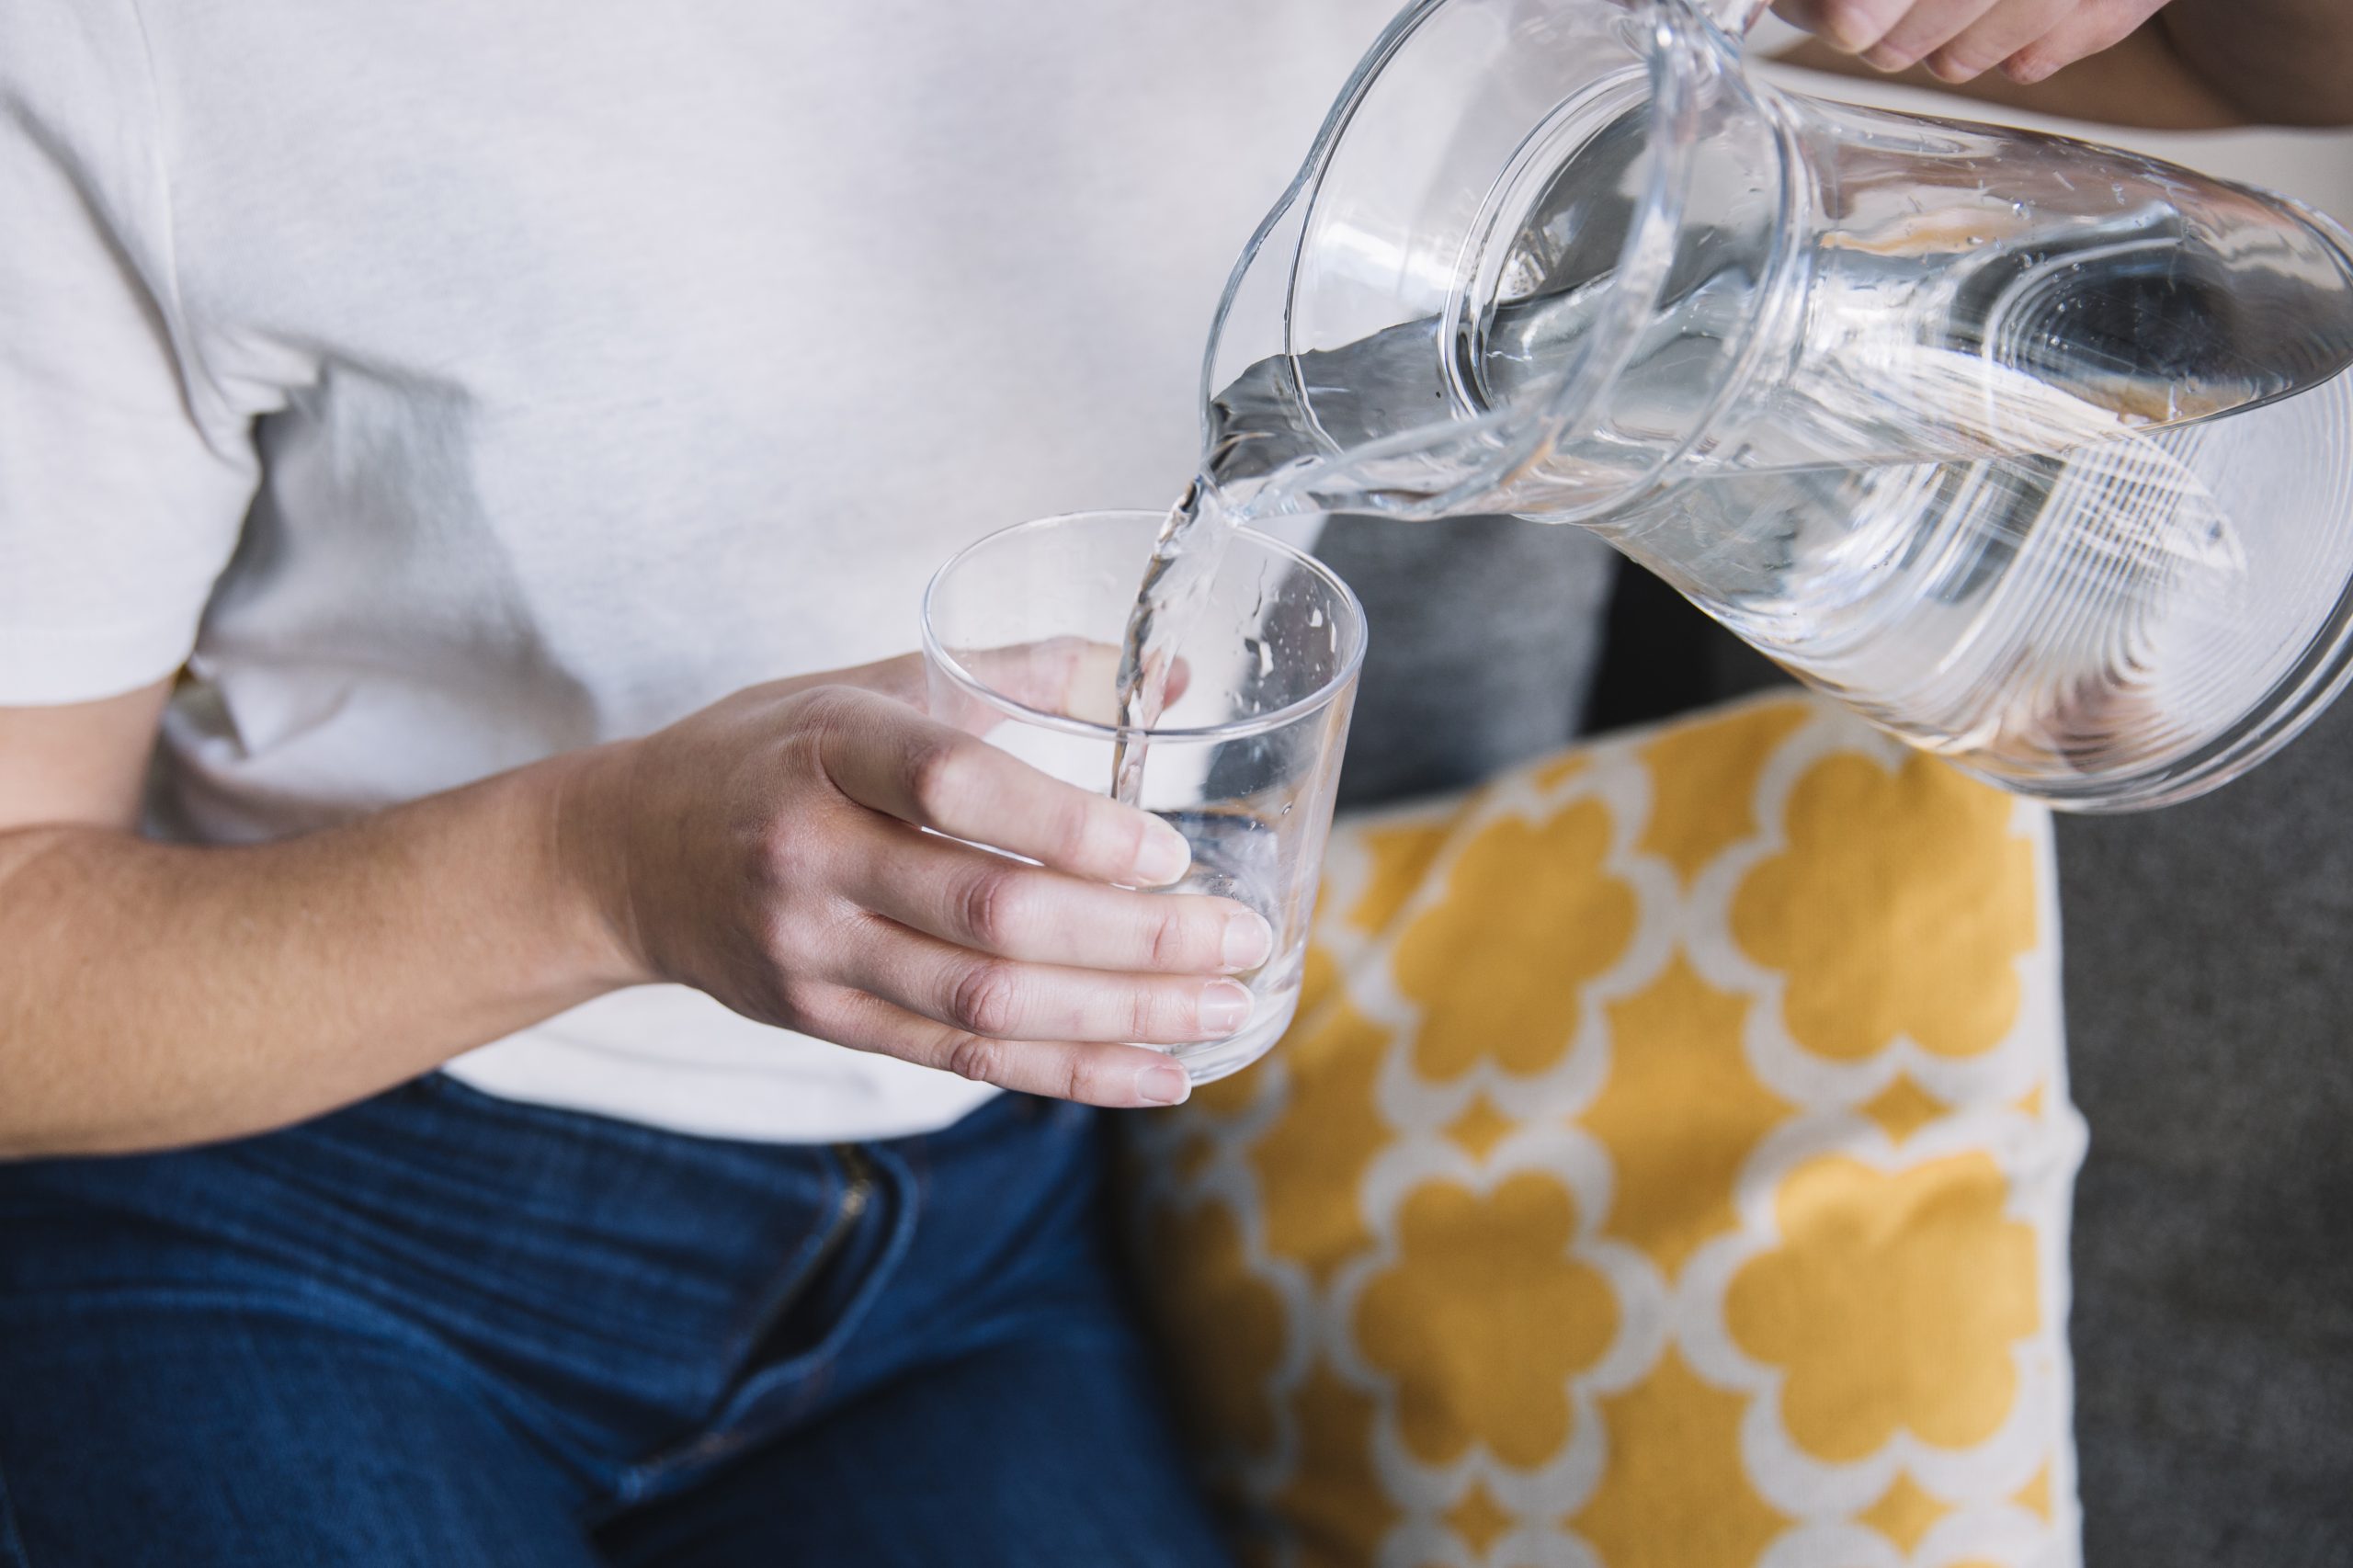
column 452, row 383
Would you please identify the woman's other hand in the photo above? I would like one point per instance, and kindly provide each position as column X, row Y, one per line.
column 1959, row 40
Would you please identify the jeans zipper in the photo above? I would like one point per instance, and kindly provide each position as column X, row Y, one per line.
column 857, row 1191
column 857, row 1195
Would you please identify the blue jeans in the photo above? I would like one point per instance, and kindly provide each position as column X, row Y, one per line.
column 439, row 1329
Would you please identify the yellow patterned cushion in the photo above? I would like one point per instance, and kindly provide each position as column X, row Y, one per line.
column 1669, row 1169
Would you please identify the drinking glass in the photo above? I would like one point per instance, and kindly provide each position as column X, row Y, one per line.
column 1021, row 638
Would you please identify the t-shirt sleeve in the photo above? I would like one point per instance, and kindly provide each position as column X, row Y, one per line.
column 119, row 505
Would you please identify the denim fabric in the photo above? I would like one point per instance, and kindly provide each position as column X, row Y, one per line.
column 440, row 1328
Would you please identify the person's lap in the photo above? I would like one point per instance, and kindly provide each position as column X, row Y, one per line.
column 265, row 1441
column 959, row 1390
column 1017, row 1456
column 192, row 1429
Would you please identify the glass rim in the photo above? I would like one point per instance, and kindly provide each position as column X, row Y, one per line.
column 1232, row 729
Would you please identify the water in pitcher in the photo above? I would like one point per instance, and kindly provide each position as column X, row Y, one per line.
column 2040, row 607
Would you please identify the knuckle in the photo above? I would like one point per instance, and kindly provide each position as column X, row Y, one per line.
column 941, row 778
column 792, row 852
column 825, row 718
column 1068, row 825
column 783, row 936
column 1171, row 943
column 1078, row 835
column 979, row 1058
column 1153, row 1012
column 806, row 1005
column 987, row 1000
column 823, row 932
column 1137, row 833
column 991, row 906
column 1164, row 940
column 821, row 708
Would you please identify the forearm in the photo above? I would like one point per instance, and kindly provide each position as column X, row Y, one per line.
column 156, row 994
column 2279, row 62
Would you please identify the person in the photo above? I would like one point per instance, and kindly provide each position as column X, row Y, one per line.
column 500, row 1044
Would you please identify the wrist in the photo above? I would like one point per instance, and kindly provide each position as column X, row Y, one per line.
column 586, row 805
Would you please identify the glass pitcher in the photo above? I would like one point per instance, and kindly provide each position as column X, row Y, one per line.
column 2040, row 454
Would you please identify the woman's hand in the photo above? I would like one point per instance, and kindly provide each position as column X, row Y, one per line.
column 768, row 850
column 1961, row 39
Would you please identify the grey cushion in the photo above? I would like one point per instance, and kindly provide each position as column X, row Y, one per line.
column 1486, row 633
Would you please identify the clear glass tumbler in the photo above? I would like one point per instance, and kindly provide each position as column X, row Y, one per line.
column 1021, row 638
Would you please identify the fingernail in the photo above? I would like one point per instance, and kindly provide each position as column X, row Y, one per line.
column 1249, row 940
column 1888, row 60
column 1162, row 856
column 1225, row 1008
column 1162, row 1085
